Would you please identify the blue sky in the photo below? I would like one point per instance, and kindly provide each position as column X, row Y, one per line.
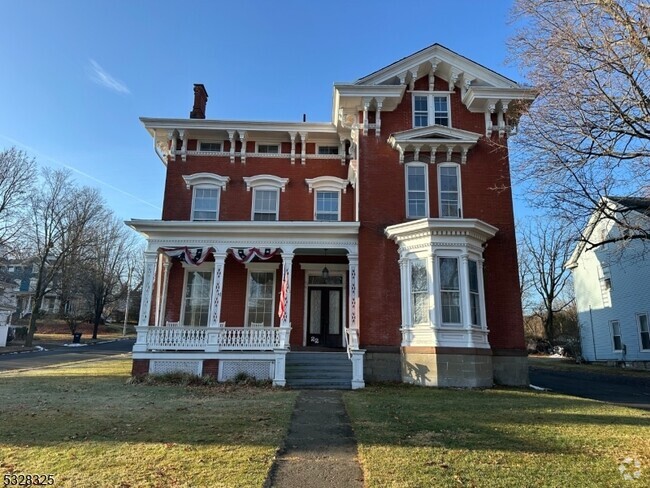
column 78, row 74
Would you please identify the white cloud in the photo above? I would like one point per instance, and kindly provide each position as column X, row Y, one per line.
column 98, row 75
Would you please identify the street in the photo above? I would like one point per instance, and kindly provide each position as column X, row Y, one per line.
column 614, row 388
column 62, row 354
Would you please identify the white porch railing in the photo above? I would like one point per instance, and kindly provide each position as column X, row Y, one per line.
column 211, row 339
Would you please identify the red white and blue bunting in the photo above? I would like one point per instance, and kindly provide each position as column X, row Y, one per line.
column 246, row 255
column 189, row 255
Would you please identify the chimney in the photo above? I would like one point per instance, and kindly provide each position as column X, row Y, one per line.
column 200, row 101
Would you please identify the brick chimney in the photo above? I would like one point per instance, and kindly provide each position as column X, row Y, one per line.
column 200, row 101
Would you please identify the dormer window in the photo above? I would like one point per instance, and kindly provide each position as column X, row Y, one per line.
column 268, row 148
column 430, row 108
column 206, row 193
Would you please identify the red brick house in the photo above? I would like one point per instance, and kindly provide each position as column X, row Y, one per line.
column 371, row 247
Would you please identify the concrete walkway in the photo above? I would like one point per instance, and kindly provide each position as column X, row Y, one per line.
column 320, row 449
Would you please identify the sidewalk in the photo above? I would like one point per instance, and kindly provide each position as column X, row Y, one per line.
column 320, row 449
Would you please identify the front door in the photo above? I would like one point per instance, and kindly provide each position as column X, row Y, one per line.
column 325, row 314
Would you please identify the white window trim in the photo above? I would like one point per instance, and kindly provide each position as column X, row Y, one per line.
column 411, row 261
column 187, row 268
column 263, row 143
column 338, row 214
column 449, row 164
column 206, row 180
column 426, row 188
column 209, row 187
column 331, row 183
column 638, row 324
column 206, row 141
column 265, row 180
column 277, row 202
column 438, row 289
column 431, row 106
column 261, row 268
column 611, row 334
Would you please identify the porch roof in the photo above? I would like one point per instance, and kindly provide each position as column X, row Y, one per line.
column 288, row 235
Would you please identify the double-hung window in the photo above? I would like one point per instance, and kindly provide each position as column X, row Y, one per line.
column 206, row 194
column 327, row 205
column 416, row 191
column 449, row 190
column 449, row 291
column 196, row 300
column 474, row 294
column 644, row 331
column 266, row 196
column 419, row 292
column 265, row 204
column 260, row 297
column 430, row 108
column 209, row 146
column 616, row 335
column 268, row 148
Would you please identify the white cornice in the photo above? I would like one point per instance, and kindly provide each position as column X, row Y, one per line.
column 439, row 132
column 152, row 124
column 327, row 182
column 482, row 98
column 265, row 180
column 474, row 228
column 206, row 179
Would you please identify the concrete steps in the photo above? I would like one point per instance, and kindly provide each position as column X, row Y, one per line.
column 319, row 370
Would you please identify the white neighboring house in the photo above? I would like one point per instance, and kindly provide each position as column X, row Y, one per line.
column 611, row 285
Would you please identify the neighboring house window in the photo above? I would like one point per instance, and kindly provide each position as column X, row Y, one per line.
column 266, row 195
column 449, row 291
column 268, row 148
column 196, row 300
column 265, row 204
column 327, row 206
column 205, row 204
column 616, row 335
column 429, row 109
column 419, row 292
column 416, row 191
column 644, row 331
column 210, row 146
column 328, row 149
column 327, row 198
column 449, row 185
column 206, row 194
column 259, row 303
column 474, row 295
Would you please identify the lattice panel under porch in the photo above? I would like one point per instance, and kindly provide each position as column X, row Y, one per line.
column 260, row 370
column 159, row 366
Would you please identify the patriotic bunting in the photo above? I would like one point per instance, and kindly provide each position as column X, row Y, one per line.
column 246, row 255
column 189, row 255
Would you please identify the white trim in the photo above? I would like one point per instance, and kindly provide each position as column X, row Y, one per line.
column 205, row 187
column 206, row 179
column 194, row 269
column 260, row 268
column 331, row 183
column 426, row 189
column 277, row 203
column 208, row 141
column 265, row 180
column 450, row 164
column 638, row 325
column 263, row 143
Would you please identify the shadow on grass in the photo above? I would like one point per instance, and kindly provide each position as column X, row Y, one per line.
column 503, row 419
column 54, row 408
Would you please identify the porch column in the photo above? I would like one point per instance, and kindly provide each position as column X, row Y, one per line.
column 145, row 303
column 217, row 287
column 353, row 297
column 162, row 314
column 287, row 264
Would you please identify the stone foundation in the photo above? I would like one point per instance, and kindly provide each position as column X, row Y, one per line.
column 447, row 367
column 381, row 366
column 510, row 370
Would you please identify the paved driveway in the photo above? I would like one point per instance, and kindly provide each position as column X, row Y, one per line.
column 61, row 354
column 627, row 390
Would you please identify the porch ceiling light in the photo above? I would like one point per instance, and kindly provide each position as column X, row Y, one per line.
column 325, row 273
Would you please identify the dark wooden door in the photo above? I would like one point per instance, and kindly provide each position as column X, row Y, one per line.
column 325, row 317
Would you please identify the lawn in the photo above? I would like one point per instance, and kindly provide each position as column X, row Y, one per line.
column 85, row 425
column 565, row 364
column 423, row 437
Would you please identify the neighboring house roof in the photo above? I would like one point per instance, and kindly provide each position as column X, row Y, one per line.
column 623, row 205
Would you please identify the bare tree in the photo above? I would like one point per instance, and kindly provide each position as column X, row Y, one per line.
column 59, row 216
column 547, row 246
column 16, row 176
column 587, row 135
column 108, row 271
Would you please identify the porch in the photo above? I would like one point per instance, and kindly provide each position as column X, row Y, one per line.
column 223, row 306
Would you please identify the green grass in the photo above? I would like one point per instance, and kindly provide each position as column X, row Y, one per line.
column 562, row 364
column 86, row 426
column 423, row 437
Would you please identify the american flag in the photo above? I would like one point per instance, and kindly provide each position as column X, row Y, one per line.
column 282, row 309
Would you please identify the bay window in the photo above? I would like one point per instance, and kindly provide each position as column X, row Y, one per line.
column 419, row 292
column 449, row 291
